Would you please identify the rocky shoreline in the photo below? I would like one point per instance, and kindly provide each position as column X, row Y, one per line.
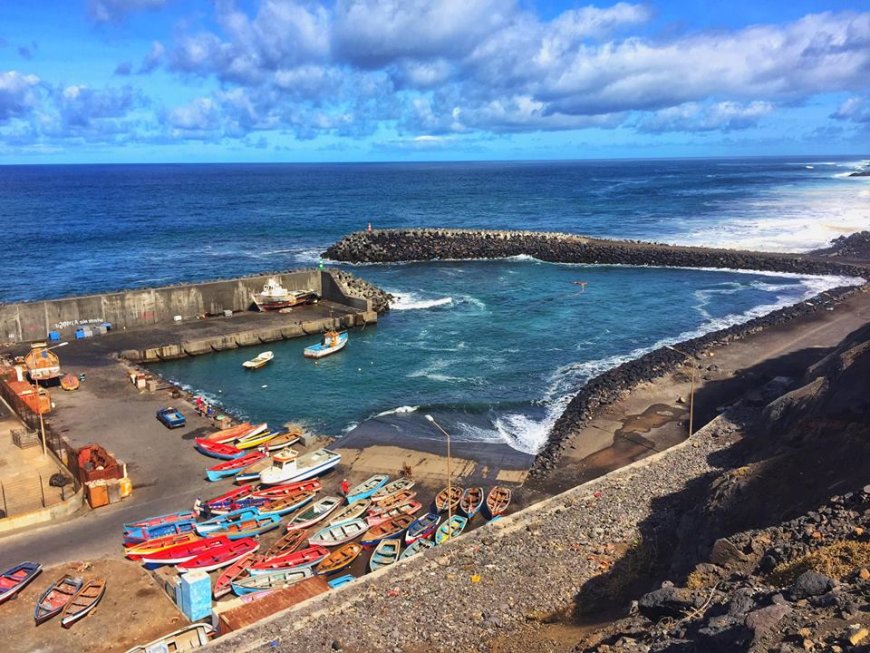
column 384, row 246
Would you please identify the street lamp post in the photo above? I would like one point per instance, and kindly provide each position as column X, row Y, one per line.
column 692, row 390
column 449, row 481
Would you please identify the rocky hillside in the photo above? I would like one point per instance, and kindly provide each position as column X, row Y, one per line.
column 854, row 247
column 775, row 555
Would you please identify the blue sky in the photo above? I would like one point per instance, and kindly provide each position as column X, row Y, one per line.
column 388, row 80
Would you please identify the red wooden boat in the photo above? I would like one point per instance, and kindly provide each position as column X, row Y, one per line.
column 232, row 467
column 227, row 498
column 217, row 449
column 183, row 552
column 302, row 558
column 271, row 491
column 221, row 556
column 14, row 579
column 184, row 515
column 224, row 583
column 228, row 435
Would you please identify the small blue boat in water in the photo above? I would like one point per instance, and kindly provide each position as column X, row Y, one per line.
column 332, row 342
column 341, row 581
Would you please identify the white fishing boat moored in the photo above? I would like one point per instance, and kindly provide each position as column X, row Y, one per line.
column 288, row 466
column 333, row 341
column 259, row 361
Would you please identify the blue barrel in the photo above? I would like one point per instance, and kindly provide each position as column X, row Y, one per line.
column 54, row 336
column 195, row 593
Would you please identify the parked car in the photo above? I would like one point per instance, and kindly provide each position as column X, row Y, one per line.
column 171, row 417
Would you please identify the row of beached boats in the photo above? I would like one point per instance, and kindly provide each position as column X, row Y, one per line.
column 321, row 536
column 254, row 453
column 71, row 597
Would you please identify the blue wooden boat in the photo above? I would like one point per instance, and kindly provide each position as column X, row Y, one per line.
column 219, row 522
column 341, row 581
column 275, row 580
column 16, row 578
column 367, row 488
column 55, row 598
column 332, row 342
column 236, row 530
column 422, row 528
column 450, row 529
column 386, row 553
column 182, row 515
column 417, row 547
column 472, row 501
column 144, row 533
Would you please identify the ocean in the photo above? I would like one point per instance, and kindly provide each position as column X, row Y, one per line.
column 494, row 348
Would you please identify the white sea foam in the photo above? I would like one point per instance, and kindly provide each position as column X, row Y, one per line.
column 409, row 301
column 401, row 410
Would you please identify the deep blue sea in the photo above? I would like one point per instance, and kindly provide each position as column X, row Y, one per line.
column 495, row 348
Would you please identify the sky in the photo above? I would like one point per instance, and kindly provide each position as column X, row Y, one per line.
column 103, row 81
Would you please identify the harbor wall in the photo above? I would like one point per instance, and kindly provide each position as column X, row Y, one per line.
column 29, row 321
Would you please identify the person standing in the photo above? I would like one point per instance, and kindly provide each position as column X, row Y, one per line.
column 345, row 487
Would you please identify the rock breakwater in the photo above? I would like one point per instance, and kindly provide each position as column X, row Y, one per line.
column 393, row 246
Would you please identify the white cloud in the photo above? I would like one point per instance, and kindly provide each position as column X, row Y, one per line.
column 18, row 94
column 693, row 117
column 854, row 109
column 104, row 11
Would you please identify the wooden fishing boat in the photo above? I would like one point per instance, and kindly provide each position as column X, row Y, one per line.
column 419, row 546
column 284, row 489
column 258, row 361
column 251, row 473
column 136, row 551
column 255, row 441
column 307, row 557
column 183, row 552
column 239, row 569
column 472, row 501
column 84, row 601
column 332, row 342
column 220, row 521
column 287, row 543
column 393, row 527
column 441, row 500
column 386, row 553
column 317, row 512
column 220, row 450
column 233, row 467
column 367, row 488
column 282, row 440
column 392, row 489
column 69, row 382
column 52, row 601
column 221, row 556
column 450, row 529
column 341, row 581
column 148, row 522
column 274, row 580
column 422, row 527
column 339, row 533
column 237, row 530
column 396, row 500
column 184, row 639
column 498, row 500
column 288, row 466
column 222, row 501
column 245, row 502
column 144, row 533
column 230, row 434
column 286, row 504
column 408, row 508
column 339, row 559
column 354, row 510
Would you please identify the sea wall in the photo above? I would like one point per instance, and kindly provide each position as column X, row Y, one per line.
column 391, row 246
column 143, row 307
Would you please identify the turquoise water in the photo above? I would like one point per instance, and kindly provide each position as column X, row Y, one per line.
column 493, row 348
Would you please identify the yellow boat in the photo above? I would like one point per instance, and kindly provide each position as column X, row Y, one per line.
column 255, row 441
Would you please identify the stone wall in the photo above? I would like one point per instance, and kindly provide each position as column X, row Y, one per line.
column 136, row 308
